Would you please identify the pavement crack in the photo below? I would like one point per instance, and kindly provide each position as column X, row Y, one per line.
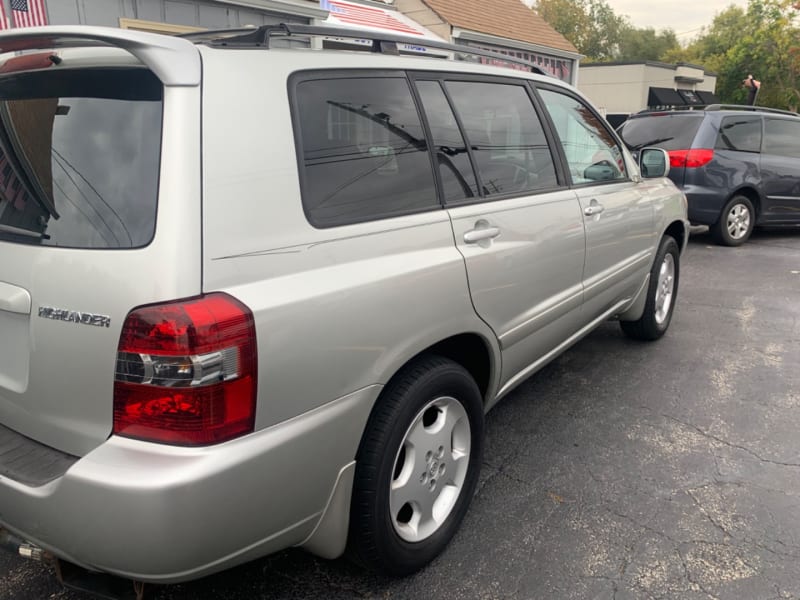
column 708, row 516
column 729, row 444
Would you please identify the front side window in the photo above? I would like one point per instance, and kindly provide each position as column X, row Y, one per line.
column 506, row 137
column 79, row 157
column 782, row 137
column 364, row 154
column 592, row 152
column 740, row 133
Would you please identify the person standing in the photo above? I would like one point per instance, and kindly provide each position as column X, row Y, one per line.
column 753, row 86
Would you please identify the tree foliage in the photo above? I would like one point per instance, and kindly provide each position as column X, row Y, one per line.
column 763, row 39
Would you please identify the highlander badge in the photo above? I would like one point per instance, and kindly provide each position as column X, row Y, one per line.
column 72, row 316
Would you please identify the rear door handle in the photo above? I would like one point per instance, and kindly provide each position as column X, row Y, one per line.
column 594, row 208
column 14, row 299
column 479, row 234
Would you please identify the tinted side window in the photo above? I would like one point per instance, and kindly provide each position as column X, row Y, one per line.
column 505, row 135
column 364, row 154
column 79, row 157
column 782, row 137
column 455, row 168
column 592, row 152
column 740, row 133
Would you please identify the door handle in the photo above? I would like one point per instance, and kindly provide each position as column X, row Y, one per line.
column 480, row 234
column 14, row 299
column 594, row 208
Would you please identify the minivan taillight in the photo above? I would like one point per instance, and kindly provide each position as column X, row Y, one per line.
column 690, row 159
column 186, row 372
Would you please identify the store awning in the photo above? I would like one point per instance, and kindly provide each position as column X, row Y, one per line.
column 664, row 97
column 690, row 98
column 708, row 97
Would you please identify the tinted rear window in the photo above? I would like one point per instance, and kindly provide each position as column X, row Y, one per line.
column 670, row 132
column 79, row 157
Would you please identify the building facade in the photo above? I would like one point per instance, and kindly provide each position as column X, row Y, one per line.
column 619, row 89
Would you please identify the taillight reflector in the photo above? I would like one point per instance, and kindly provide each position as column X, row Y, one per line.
column 690, row 159
column 186, row 372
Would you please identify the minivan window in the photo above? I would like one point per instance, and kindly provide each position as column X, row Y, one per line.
column 506, row 137
column 364, row 153
column 667, row 131
column 782, row 137
column 452, row 158
column 740, row 133
column 592, row 152
column 79, row 157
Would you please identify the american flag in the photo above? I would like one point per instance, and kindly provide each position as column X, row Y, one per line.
column 365, row 16
column 28, row 13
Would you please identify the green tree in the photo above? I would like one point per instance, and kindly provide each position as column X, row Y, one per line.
column 646, row 44
column 591, row 25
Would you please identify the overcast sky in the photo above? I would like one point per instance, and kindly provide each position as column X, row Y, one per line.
column 685, row 17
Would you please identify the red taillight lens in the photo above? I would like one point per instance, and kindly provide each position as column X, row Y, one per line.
column 690, row 159
column 186, row 372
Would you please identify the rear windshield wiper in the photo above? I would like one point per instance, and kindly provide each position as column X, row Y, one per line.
column 24, row 232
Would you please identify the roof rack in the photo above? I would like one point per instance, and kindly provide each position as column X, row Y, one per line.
column 386, row 43
column 751, row 108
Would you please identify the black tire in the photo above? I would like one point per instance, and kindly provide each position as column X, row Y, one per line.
column 374, row 541
column 656, row 317
column 736, row 222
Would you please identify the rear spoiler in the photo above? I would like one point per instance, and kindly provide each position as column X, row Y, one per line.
column 175, row 61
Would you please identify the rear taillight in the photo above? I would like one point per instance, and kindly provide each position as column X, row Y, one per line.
column 690, row 159
column 186, row 372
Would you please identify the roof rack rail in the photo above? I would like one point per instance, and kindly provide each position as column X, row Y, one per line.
column 752, row 108
column 381, row 42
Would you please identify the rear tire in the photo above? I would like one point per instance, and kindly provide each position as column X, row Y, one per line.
column 417, row 467
column 662, row 291
column 735, row 223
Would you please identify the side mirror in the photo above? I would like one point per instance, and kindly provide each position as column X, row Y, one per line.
column 600, row 171
column 653, row 162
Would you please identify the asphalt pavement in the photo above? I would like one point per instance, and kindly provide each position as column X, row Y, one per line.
column 621, row 470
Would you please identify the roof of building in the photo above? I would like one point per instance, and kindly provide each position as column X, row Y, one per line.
column 509, row 19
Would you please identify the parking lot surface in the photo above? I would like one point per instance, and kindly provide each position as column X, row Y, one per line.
column 621, row 470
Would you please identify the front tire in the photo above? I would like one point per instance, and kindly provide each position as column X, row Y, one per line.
column 662, row 291
column 417, row 467
column 736, row 222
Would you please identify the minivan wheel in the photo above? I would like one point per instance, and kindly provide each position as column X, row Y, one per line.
column 735, row 223
column 662, row 291
column 417, row 467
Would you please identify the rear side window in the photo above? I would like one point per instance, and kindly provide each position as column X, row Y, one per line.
column 363, row 151
column 740, row 133
column 670, row 132
column 450, row 149
column 782, row 137
column 79, row 157
column 505, row 135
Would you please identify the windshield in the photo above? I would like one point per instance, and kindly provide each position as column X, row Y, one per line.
column 79, row 157
column 670, row 131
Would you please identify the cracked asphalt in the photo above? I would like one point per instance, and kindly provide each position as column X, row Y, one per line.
column 622, row 470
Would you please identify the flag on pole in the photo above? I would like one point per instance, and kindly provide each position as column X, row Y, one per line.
column 348, row 13
column 28, row 13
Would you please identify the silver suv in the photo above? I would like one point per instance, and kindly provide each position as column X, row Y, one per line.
column 254, row 297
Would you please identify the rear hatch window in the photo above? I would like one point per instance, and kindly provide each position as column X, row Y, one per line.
column 79, row 157
column 667, row 131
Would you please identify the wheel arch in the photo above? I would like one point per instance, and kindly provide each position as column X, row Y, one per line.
column 751, row 194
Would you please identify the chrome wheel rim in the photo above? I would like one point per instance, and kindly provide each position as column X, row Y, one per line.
column 430, row 469
column 738, row 221
column 665, row 288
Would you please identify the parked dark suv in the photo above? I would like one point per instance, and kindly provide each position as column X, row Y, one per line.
column 739, row 166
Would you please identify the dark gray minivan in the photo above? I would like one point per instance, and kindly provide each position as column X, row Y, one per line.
column 739, row 166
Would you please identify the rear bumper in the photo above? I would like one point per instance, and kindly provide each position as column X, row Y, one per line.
column 165, row 514
column 705, row 203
